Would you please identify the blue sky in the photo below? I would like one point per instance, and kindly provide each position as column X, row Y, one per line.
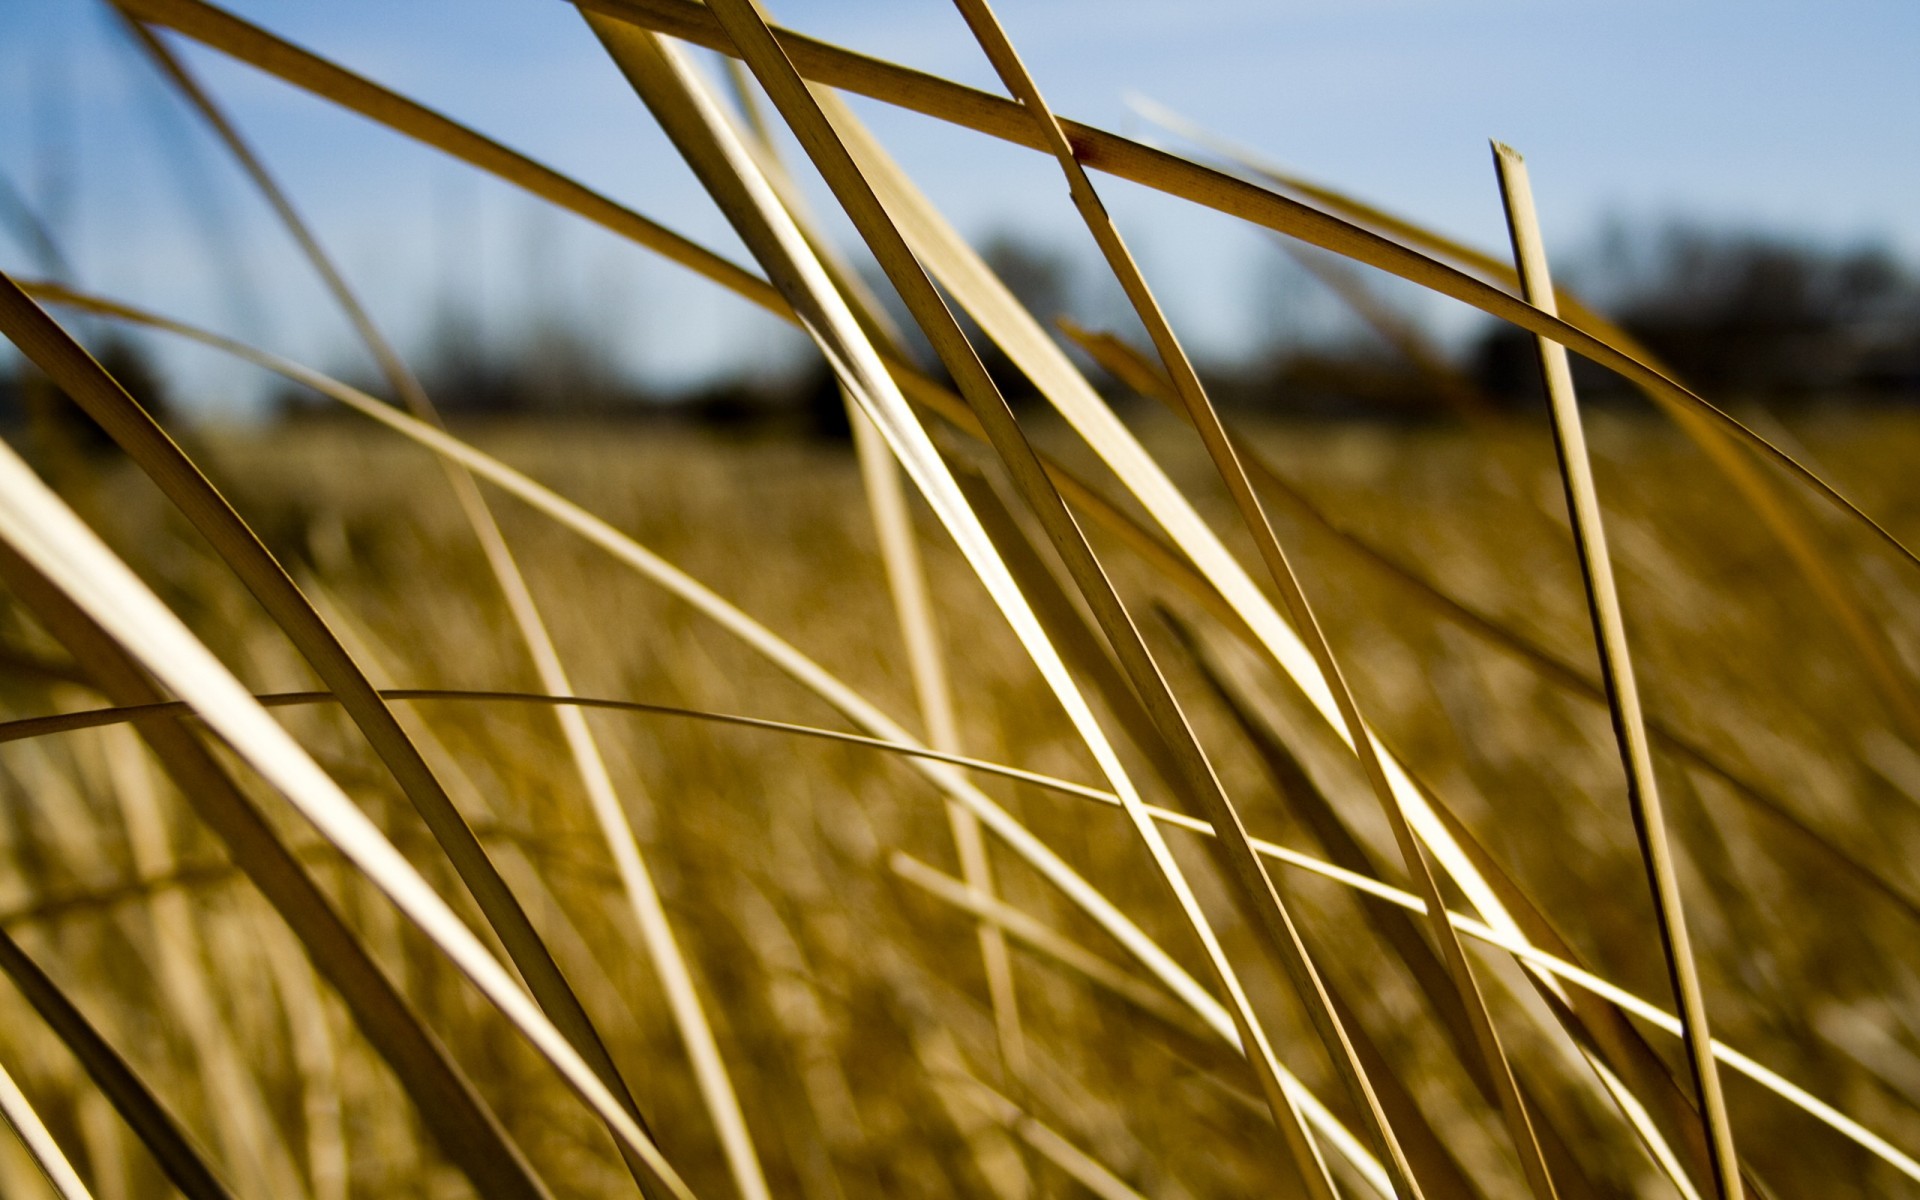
column 1802, row 117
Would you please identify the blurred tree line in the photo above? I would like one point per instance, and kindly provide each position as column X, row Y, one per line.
column 1737, row 315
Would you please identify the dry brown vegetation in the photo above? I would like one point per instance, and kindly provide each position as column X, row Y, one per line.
column 863, row 853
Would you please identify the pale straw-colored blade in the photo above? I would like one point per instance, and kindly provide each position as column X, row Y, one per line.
column 1616, row 667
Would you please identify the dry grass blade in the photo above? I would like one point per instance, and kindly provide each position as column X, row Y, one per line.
column 907, row 580
column 1787, row 525
column 1555, row 961
column 44, row 532
column 128, row 1093
column 1616, row 666
column 459, row 1120
column 1220, row 447
column 1129, row 160
column 103, row 399
column 33, row 1134
column 669, row 962
column 250, row 44
column 822, row 143
column 1128, row 365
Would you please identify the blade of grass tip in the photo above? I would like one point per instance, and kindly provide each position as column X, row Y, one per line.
column 460, row 1121
column 43, row 531
column 816, row 134
column 79, row 376
column 803, row 670
column 1616, row 665
column 252, row 1143
column 657, row 935
column 906, row 576
column 26, row 1124
column 1200, row 411
column 1175, row 176
column 1787, row 526
column 1129, row 366
column 172, row 1149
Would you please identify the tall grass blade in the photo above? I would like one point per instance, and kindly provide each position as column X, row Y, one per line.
column 103, row 399
column 130, row 1096
column 1220, row 447
column 1616, row 666
column 1788, row 527
column 459, row 1120
column 43, row 531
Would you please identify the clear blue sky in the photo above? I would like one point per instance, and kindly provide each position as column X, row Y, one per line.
column 1790, row 116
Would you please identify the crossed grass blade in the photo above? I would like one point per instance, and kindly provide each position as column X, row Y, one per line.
column 45, row 533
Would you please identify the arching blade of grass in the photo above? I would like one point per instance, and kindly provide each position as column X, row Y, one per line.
column 459, row 1120
column 1550, row 956
column 657, row 935
column 33, row 1134
column 907, row 582
column 951, row 102
column 1788, row 526
column 729, row 174
column 1126, row 159
column 804, row 670
column 256, row 47
column 143, row 1112
column 1252, row 889
column 44, row 532
column 103, row 399
column 1128, row 365
column 1616, row 667
column 1200, row 412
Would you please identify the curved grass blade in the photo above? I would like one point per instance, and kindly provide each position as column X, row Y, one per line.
column 44, row 532
column 1127, row 365
column 1555, row 960
column 1787, row 526
column 1616, row 668
column 1200, row 412
column 143, row 1112
column 465, row 1128
column 1126, row 159
column 103, row 399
